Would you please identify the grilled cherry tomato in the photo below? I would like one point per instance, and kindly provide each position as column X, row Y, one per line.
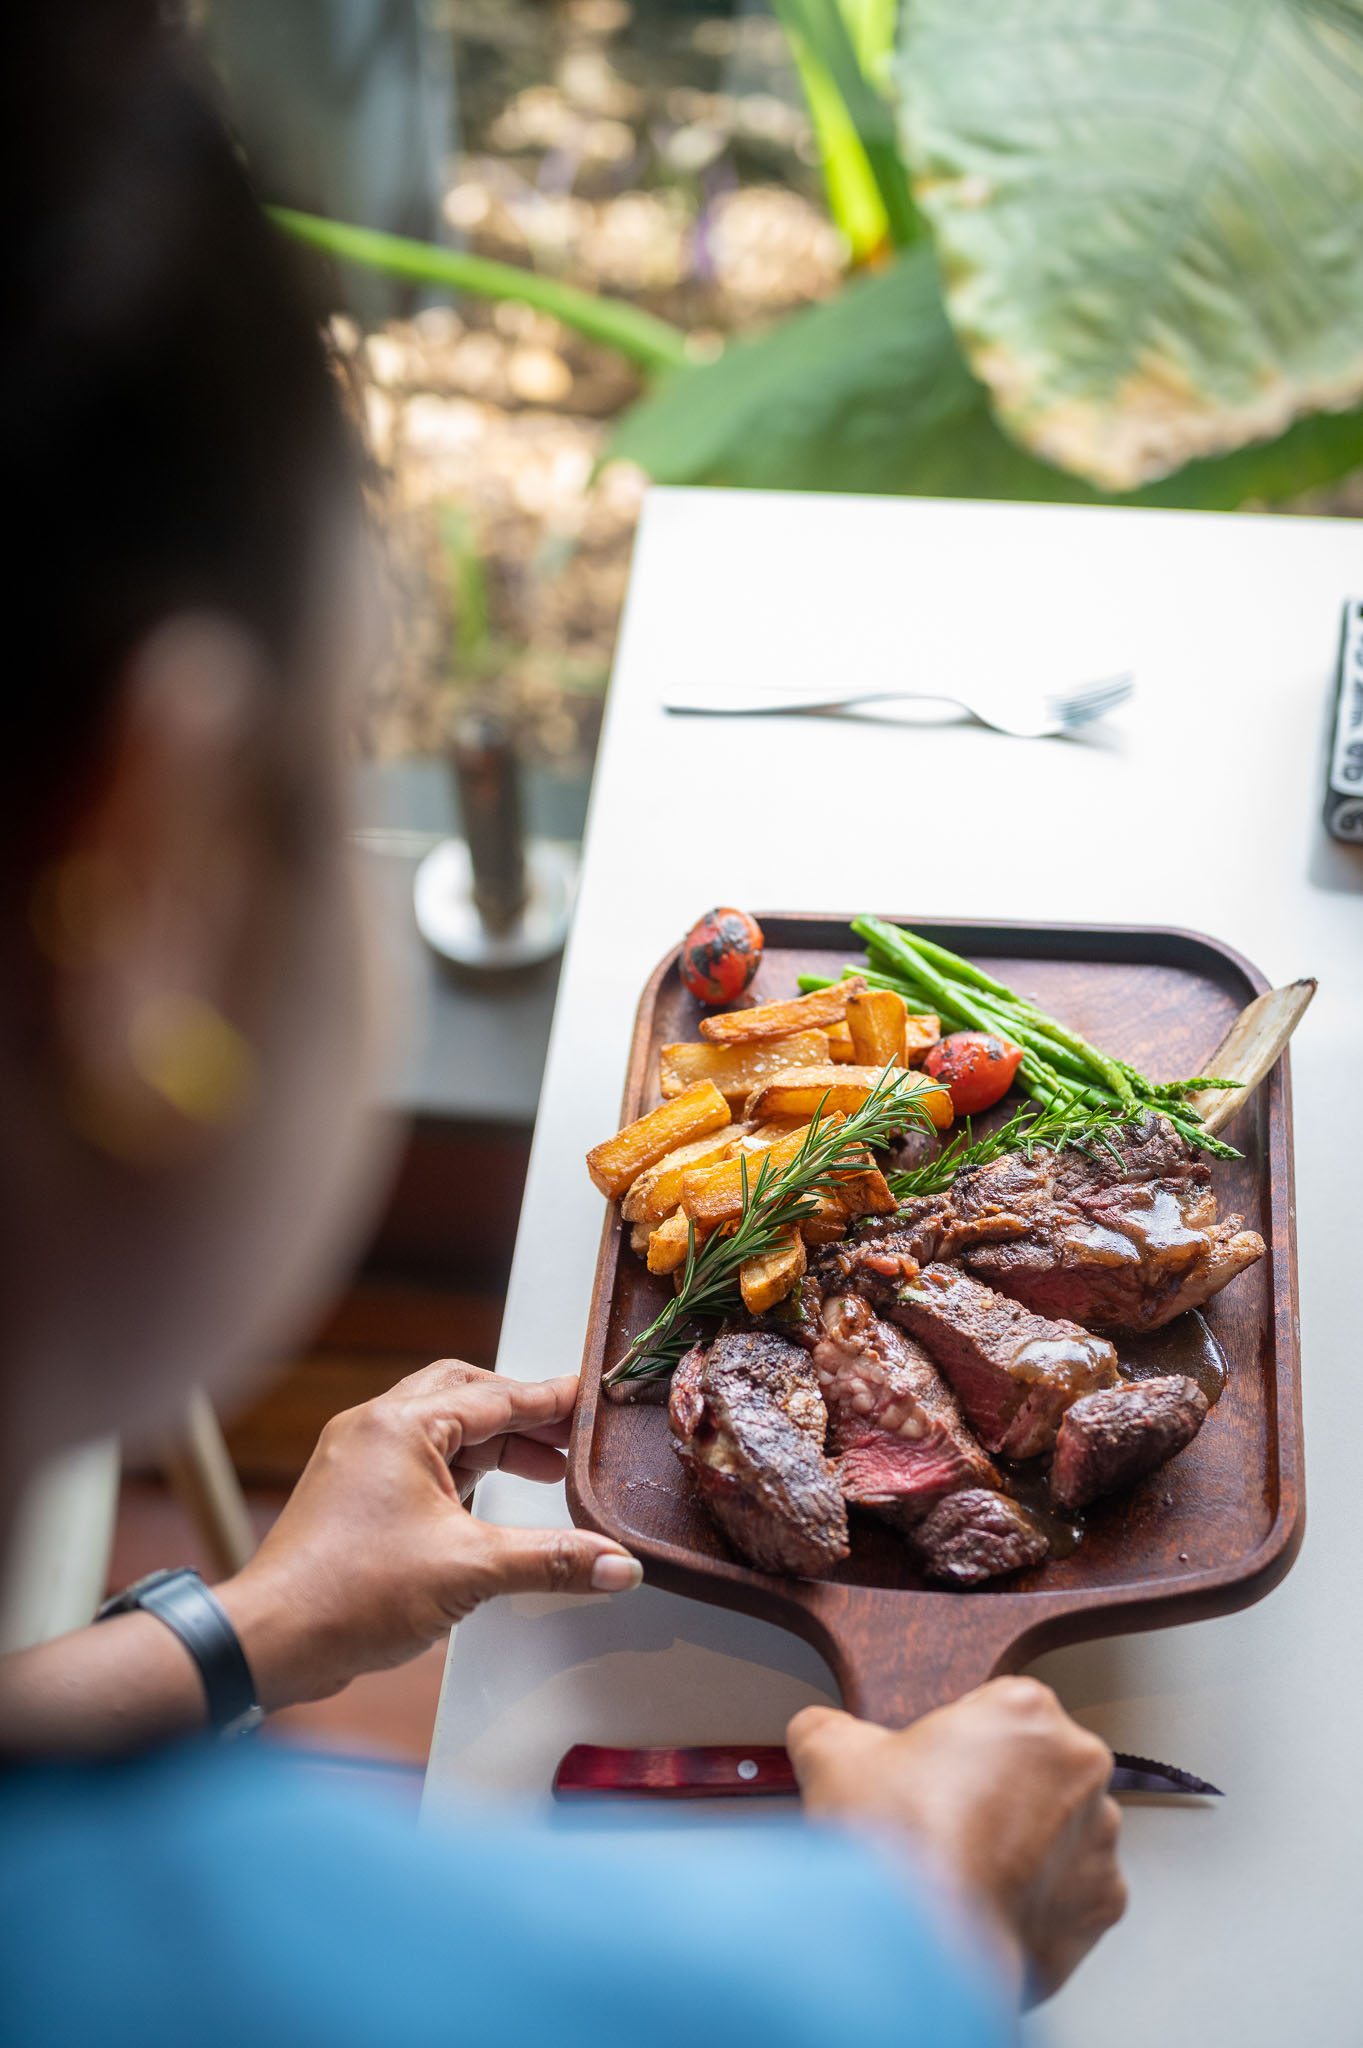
column 720, row 955
column 976, row 1067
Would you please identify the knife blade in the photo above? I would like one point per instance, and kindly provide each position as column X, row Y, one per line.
column 764, row 1771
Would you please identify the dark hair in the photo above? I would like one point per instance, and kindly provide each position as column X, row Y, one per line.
column 171, row 431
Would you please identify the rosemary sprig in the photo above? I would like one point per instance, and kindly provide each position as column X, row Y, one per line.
column 1028, row 1130
column 774, row 1201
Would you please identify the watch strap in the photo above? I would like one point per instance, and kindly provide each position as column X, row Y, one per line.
column 185, row 1604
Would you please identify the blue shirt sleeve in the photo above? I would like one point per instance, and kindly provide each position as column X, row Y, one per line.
column 216, row 1899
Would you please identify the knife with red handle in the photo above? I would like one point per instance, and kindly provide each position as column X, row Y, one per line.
column 763, row 1771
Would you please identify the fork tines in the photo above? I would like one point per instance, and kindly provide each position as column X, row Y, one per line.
column 1077, row 707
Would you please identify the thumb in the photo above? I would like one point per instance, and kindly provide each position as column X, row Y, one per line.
column 815, row 1732
column 556, row 1561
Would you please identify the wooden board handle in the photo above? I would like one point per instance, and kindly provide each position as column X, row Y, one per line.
column 949, row 1644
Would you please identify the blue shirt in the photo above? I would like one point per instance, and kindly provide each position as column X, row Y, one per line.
column 216, row 1899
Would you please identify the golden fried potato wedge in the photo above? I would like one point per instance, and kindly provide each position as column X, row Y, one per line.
column 828, row 1223
column 668, row 1243
column 921, row 1033
column 875, row 1025
column 766, row 1280
column 840, row 1043
column 714, row 1194
column 735, row 1069
column 866, row 1194
column 693, row 1113
column 800, row 1090
column 779, row 1020
column 657, row 1191
column 639, row 1236
column 757, row 1137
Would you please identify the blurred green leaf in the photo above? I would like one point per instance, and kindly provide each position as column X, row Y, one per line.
column 870, row 392
column 641, row 336
column 1149, row 216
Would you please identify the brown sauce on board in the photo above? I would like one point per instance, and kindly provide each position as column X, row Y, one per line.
column 1184, row 1346
column 1029, row 1485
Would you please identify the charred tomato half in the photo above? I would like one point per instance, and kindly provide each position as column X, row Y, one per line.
column 976, row 1068
column 720, row 955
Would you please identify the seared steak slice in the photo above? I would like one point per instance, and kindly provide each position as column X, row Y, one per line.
column 750, row 1424
column 1123, row 1238
column 1013, row 1372
column 1111, row 1439
column 976, row 1535
column 895, row 1432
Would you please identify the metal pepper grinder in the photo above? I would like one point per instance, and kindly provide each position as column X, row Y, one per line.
column 493, row 899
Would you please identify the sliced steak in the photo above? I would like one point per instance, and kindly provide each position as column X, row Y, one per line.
column 1111, row 1439
column 1124, row 1237
column 750, row 1425
column 976, row 1535
column 896, row 1436
column 1013, row 1372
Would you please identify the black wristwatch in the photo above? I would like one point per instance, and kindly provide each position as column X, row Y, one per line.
column 183, row 1602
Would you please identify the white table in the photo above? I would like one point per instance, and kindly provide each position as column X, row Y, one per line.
column 1199, row 806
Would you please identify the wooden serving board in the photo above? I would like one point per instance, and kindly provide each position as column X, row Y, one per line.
column 1210, row 1532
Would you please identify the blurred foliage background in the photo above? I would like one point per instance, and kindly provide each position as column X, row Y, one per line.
column 1048, row 249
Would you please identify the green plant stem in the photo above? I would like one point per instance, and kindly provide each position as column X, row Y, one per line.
column 651, row 343
column 822, row 42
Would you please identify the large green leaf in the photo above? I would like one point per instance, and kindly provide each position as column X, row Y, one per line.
column 870, row 392
column 1149, row 215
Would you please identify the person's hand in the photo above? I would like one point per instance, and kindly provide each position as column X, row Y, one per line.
column 375, row 1555
column 1005, row 1793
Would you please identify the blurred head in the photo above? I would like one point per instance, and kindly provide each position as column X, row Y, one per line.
column 184, row 1031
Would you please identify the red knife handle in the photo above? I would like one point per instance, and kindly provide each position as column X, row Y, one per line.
column 758, row 1771
column 742, row 1771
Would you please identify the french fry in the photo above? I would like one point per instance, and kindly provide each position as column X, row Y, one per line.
column 714, row 1194
column 657, row 1191
column 920, row 1035
column 800, row 1090
column 779, row 1020
column 875, row 1025
column 768, row 1279
column 694, row 1113
column 668, row 1243
column 839, row 1043
column 734, row 1069
column 639, row 1236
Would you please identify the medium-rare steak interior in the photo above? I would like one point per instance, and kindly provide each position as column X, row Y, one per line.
column 750, row 1425
column 1110, row 1440
column 1014, row 1373
column 896, row 1434
column 1122, row 1237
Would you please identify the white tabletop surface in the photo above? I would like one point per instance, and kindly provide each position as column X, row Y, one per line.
column 1198, row 805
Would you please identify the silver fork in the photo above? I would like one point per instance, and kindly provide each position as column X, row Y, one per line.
column 1029, row 717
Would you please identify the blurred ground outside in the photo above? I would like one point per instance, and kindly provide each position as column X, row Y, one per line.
column 663, row 157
